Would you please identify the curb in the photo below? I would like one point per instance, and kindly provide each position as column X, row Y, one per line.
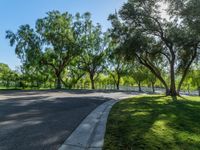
column 89, row 135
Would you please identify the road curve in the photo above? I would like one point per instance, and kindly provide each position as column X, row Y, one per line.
column 41, row 123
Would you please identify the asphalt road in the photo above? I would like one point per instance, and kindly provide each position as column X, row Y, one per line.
column 31, row 121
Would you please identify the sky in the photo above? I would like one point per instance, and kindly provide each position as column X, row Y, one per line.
column 14, row 13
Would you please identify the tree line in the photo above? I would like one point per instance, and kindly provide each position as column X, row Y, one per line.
column 141, row 44
column 139, row 79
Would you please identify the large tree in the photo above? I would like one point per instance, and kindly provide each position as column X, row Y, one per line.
column 72, row 74
column 139, row 74
column 54, row 42
column 156, row 42
column 94, row 44
column 117, row 67
column 152, row 79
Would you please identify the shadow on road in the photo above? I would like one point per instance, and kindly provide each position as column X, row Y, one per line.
column 40, row 123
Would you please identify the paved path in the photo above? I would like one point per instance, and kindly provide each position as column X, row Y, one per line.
column 43, row 120
column 89, row 135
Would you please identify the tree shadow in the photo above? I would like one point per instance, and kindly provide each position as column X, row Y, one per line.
column 38, row 123
column 71, row 91
column 156, row 122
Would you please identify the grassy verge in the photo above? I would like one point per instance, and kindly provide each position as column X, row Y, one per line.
column 154, row 123
column 8, row 88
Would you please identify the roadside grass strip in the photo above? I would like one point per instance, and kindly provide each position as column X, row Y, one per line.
column 154, row 123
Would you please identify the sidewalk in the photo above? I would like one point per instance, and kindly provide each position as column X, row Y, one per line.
column 89, row 135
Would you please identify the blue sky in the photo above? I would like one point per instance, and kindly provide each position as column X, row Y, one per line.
column 14, row 13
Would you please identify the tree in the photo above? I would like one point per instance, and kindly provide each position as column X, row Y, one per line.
column 193, row 80
column 188, row 11
column 35, row 76
column 116, row 65
column 195, row 76
column 5, row 73
column 144, row 35
column 8, row 77
column 151, row 78
column 139, row 74
column 73, row 74
column 53, row 43
column 94, row 44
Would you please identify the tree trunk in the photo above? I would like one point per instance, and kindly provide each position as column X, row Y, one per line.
column 188, row 89
column 118, row 81
column 199, row 90
column 139, row 86
column 180, row 84
column 172, row 76
column 153, row 88
column 92, row 81
column 117, row 85
column 184, row 76
column 156, row 73
column 58, row 82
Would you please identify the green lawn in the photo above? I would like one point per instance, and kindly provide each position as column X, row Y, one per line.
column 7, row 88
column 154, row 123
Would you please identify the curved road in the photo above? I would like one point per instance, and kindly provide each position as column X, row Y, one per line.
column 42, row 120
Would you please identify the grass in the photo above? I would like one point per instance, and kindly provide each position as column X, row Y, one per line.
column 154, row 123
column 8, row 88
column 20, row 88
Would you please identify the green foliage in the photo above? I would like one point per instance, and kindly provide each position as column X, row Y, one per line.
column 72, row 74
column 143, row 35
column 154, row 122
column 116, row 65
column 27, row 44
column 54, row 42
column 8, row 78
column 139, row 74
column 193, row 79
column 94, row 44
column 64, row 49
column 196, row 78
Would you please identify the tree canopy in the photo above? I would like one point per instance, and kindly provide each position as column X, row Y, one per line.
column 155, row 41
column 54, row 42
column 146, row 43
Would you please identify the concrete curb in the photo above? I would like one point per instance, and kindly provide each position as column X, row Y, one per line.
column 89, row 135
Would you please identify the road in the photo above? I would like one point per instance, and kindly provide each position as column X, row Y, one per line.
column 42, row 120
